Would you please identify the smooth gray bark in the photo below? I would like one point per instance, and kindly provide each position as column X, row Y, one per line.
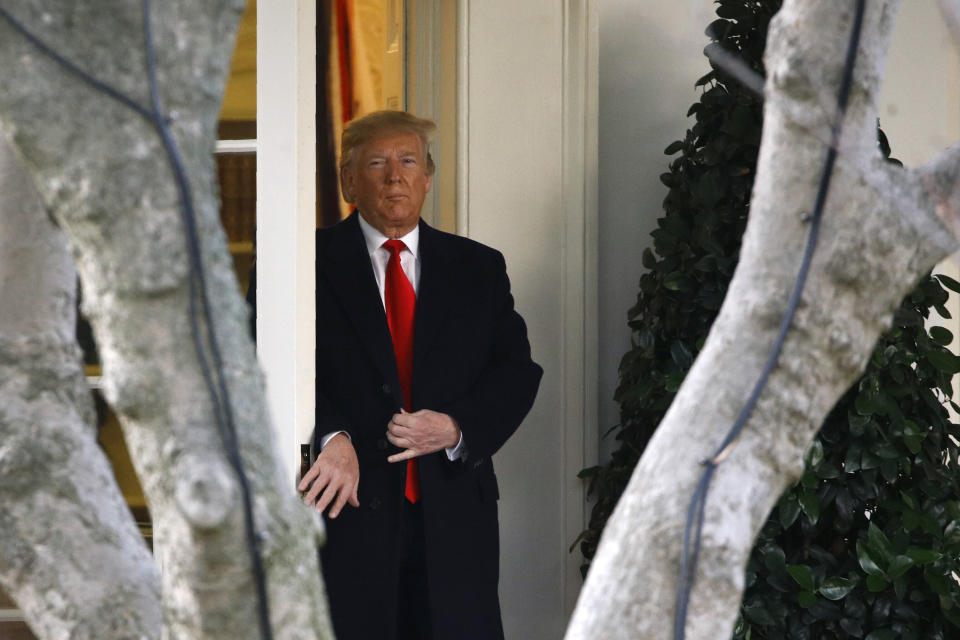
column 70, row 553
column 102, row 172
column 881, row 232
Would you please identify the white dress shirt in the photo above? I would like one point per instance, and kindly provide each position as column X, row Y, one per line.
column 410, row 263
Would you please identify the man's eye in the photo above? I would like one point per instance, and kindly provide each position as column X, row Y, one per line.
column 410, row 161
column 376, row 163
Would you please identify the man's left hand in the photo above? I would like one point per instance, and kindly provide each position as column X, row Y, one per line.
column 420, row 433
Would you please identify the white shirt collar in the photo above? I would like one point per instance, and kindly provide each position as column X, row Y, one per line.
column 375, row 239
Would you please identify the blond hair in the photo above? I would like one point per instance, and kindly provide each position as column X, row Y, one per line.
column 364, row 129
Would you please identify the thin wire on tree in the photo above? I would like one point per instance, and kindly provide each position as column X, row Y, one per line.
column 202, row 340
column 693, row 529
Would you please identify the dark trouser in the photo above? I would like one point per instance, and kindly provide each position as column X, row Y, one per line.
column 413, row 611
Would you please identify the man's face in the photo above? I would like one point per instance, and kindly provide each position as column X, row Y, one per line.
column 387, row 181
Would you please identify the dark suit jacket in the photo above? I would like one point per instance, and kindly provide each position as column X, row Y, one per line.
column 471, row 361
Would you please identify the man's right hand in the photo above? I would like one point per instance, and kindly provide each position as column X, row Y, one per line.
column 336, row 473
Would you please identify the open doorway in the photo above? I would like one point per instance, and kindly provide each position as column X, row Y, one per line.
column 387, row 54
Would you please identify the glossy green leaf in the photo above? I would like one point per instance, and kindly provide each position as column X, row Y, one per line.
column 788, row 510
column 681, row 354
column 867, row 563
column 913, row 443
column 900, row 587
column 865, row 404
column 941, row 335
column 944, row 360
column 937, row 581
column 673, row 147
column 950, row 611
column 923, row 556
column 851, row 462
column 757, row 613
column 827, row 471
column 948, row 282
column 810, row 506
column 673, row 382
column 836, row 588
column 899, row 565
column 774, row 559
column 802, row 575
column 879, row 544
column 876, row 583
column 649, row 260
column 678, row 281
column 869, row 461
column 815, row 453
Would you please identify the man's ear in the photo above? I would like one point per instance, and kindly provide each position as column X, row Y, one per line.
column 346, row 183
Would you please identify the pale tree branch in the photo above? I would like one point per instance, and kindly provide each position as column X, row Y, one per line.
column 868, row 257
column 70, row 553
column 940, row 182
column 107, row 174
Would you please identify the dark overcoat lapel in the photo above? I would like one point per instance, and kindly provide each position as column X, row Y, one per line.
column 351, row 276
column 437, row 286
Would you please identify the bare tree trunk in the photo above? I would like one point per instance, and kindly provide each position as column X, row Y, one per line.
column 70, row 553
column 102, row 171
column 880, row 234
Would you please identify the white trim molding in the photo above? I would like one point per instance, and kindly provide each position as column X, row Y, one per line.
column 11, row 615
column 580, row 252
column 286, row 215
column 235, row 146
column 463, row 117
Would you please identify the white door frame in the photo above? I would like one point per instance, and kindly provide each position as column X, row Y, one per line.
column 286, row 217
column 286, row 197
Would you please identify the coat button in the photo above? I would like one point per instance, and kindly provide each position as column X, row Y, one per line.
column 382, row 444
column 375, row 503
column 385, row 388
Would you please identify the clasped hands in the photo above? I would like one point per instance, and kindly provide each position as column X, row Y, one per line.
column 336, row 473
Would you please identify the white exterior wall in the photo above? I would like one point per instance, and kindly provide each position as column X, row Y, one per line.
column 528, row 175
column 515, row 167
column 650, row 57
column 920, row 110
column 920, row 102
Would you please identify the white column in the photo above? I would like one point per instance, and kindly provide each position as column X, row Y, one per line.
column 286, row 216
column 527, row 167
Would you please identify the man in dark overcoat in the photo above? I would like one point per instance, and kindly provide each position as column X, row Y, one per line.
column 423, row 372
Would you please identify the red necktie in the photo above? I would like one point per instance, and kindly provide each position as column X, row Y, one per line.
column 401, row 303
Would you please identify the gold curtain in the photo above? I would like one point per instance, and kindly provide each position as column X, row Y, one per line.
column 366, row 56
